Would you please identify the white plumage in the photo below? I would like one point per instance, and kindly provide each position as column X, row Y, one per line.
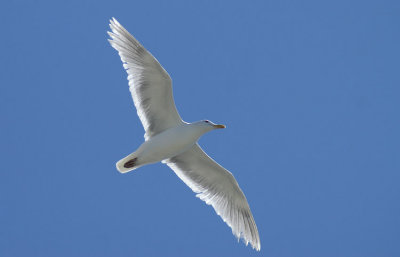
column 174, row 142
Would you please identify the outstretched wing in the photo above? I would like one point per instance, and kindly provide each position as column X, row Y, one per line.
column 149, row 83
column 217, row 187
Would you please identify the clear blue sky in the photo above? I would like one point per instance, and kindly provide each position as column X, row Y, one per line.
column 309, row 91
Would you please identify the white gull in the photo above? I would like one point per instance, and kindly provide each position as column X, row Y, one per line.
column 172, row 141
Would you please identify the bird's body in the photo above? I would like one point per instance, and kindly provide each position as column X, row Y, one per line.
column 165, row 145
column 174, row 142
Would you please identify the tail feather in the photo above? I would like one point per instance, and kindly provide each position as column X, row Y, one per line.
column 128, row 163
column 131, row 163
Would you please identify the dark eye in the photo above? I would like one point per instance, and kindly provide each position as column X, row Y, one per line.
column 206, row 121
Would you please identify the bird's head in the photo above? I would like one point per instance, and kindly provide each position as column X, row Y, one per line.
column 209, row 125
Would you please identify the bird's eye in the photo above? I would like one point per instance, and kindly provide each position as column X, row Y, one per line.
column 206, row 121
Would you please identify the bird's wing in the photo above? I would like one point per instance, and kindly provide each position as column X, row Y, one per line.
column 149, row 83
column 217, row 187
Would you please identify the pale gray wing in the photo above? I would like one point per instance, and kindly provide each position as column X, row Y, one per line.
column 149, row 83
column 217, row 187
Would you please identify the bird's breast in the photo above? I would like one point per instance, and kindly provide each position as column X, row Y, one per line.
column 167, row 144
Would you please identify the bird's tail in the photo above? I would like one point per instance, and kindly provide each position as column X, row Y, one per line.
column 128, row 163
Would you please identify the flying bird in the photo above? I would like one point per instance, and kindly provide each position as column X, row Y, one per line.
column 174, row 142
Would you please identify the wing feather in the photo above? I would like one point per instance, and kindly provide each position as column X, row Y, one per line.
column 217, row 187
column 149, row 84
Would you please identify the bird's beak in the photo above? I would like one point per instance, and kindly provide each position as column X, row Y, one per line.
column 219, row 126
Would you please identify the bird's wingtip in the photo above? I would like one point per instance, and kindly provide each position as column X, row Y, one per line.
column 114, row 22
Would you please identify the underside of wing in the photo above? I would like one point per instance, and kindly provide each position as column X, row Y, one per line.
column 217, row 187
column 149, row 83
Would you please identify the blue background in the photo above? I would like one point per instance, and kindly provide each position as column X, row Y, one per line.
column 309, row 91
